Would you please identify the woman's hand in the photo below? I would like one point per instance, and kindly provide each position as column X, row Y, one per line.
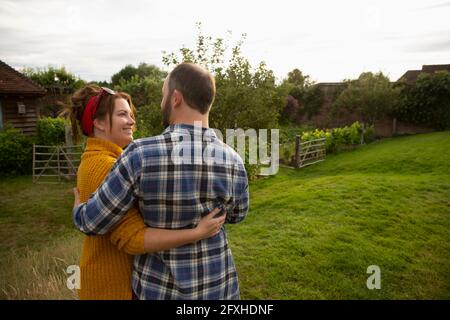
column 210, row 226
column 76, row 194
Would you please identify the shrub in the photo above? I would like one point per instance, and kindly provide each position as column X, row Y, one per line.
column 50, row 131
column 252, row 171
column 426, row 102
column 340, row 137
column 16, row 152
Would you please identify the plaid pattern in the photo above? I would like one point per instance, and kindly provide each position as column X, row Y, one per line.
column 175, row 178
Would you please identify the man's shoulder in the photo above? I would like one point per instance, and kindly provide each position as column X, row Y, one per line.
column 148, row 143
column 232, row 154
column 148, row 140
column 150, row 147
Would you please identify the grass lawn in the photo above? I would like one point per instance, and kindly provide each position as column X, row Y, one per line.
column 37, row 239
column 32, row 214
column 310, row 233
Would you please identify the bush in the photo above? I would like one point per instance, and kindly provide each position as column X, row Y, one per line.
column 341, row 137
column 16, row 152
column 50, row 131
column 252, row 170
column 427, row 102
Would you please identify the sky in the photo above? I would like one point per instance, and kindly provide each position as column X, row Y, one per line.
column 328, row 40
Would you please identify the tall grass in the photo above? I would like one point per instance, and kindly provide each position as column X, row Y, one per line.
column 40, row 274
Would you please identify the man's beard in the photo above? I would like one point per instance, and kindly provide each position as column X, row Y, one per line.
column 166, row 112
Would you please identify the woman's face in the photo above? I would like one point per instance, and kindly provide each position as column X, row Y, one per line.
column 121, row 131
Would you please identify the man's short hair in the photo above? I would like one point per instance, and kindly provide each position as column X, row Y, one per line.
column 195, row 84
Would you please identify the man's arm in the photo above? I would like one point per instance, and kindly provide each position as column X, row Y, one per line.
column 113, row 198
column 133, row 237
column 241, row 202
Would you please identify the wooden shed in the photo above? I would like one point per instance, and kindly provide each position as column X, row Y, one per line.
column 20, row 100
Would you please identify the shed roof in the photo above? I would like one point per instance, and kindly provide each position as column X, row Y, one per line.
column 14, row 82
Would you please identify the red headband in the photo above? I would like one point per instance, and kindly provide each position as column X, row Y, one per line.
column 89, row 111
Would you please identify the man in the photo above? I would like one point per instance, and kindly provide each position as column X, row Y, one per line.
column 176, row 178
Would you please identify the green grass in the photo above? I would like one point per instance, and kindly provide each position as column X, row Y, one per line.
column 37, row 239
column 310, row 233
column 32, row 214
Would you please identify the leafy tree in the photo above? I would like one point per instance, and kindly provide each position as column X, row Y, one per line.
column 308, row 97
column 55, row 79
column 291, row 110
column 148, row 121
column 102, row 83
column 427, row 101
column 297, row 78
column 143, row 91
column 246, row 97
column 312, row 100
column 143, row 71
column 371, row 95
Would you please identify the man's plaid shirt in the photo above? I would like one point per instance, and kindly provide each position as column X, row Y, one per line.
column 175, row 178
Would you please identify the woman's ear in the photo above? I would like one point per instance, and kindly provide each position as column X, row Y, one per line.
column 100, row 124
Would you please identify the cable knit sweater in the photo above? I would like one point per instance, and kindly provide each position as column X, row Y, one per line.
column 106, row 261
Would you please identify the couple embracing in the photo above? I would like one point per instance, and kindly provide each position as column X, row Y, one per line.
column 154, row 221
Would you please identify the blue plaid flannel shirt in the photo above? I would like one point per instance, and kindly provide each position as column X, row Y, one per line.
column 175, row 178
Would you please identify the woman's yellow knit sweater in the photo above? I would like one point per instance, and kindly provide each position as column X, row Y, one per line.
column 106, row 261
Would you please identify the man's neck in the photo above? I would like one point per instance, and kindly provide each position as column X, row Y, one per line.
column 202, row 122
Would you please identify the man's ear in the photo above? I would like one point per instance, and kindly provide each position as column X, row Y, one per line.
column 177, row 98
column 99, row 124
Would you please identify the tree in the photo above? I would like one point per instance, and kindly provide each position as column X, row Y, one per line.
column 371, row 95
column 143, row 91
column 246, row 97
column 58, row 82
column 143, row 71
column 297, row 78
column 55, row 79
column 308, row 97
column 312, row 100
column 427, row 101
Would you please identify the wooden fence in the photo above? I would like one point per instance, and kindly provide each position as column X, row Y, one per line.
column 52, row 163
column 309, row 152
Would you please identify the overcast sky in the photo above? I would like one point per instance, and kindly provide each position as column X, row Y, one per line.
column 328, row 40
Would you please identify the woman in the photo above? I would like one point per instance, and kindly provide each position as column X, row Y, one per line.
column 107, row 119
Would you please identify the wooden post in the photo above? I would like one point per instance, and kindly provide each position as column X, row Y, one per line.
column 69, row 143
column 34, row 158
column 363, row 131
column 68, row 135
column 59, row 170
column 394, row 126
column 298, row 147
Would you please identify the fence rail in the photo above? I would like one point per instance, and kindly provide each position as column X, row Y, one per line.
column 55, row 161
column 309, row 152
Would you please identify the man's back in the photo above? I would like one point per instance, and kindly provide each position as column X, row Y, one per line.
column 186, row 173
